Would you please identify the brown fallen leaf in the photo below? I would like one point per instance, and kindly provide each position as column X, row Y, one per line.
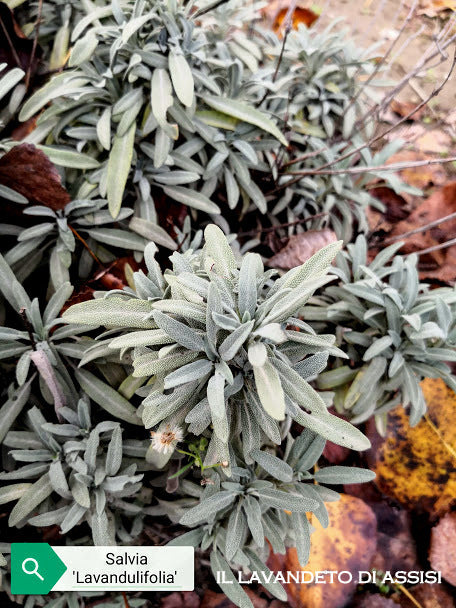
column 347, row 544
column 419, row 177
column 440, row 264
column 212, row 599
column 396, row 548
column 396, row 209
column 16, row 50
column 417, row 466
column 442, row 554
column 428, row 596
column 185, row 599
column 335, row 454
column 301, row 247
column 29, row 171
column 403, row 109
column 276, row 12
column 432, row 8
column 374, row 600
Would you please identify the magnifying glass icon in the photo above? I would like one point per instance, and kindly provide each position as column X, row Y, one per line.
column 34, row 569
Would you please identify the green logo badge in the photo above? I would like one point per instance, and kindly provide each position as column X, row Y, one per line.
column 35, row 568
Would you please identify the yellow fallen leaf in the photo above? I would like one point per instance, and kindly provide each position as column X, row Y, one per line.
column 417, row 466
column 347, row 544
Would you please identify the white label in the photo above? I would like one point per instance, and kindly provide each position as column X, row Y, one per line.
column 126, row 568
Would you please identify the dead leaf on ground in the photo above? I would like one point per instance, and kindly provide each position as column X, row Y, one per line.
column 335, row 454
column 374, row 600
column 442, row 554
column 419, row 177
column 29, row 171
column 15, row 47
column 276, row 12
column 396, row 209
column 428, row 596
column 301, row 247
column 185, row 599
column 417, row 466
column 433, row 8
column 440, row 264
column 403, row 109
column 348, row 543
column 212, row 599
column 423, row 139
column 396, row 548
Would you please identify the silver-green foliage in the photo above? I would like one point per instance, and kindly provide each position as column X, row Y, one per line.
column 268, row 498
column 90, row 470
column 223, row 347
column 52, row 238
column 207, row 113
column 395, row 329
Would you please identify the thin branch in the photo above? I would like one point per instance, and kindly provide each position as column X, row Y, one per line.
column 387, row 53
column 86, row 245
column 441, row 220
column 418, row 68
column 358, row 170
column 35, row 44
column 28, row 326
column 125, row 599
column 280, row 226
column 372, row 141
column 304, row 157
column 436, row 247
column 11, row 45
column 288, row 23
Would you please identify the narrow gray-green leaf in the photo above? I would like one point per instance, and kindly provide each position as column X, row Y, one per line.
column 119, row 165
column 107, row 397
column 246, row 113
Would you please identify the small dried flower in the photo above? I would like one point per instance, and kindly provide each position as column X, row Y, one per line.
column 165, row 441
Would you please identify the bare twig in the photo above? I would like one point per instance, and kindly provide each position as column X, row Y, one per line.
column 436, row 247
column 423, row 228
column 372, row 141
column 358, row 170
column 86, row 245
column 10, row 44
column 35, row 44
column 304, row 157
column 387, row 53
column 279, row 226
column 287, row 23
column 125, row 599
column 418, row 68
column 28, row 326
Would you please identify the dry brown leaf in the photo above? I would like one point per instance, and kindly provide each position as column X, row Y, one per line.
column 403, row 109
column 396, row 209
column 417, row 466
column 374, row 600
column 428, row 596
column 396, row 548
column 335, row 454
column 185, row 599
column 419, row 177
column 432, row 8
column 347, row 544
column 434, row 140
column 16, row 50
column 29, row 171
column 442, row 554
column 440, row 264
column 276, row 11
column 219, row 600
column 301, row 247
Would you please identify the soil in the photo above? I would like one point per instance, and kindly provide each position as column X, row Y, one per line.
column 379, row 21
